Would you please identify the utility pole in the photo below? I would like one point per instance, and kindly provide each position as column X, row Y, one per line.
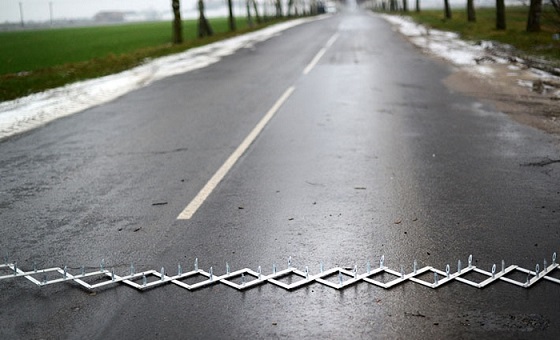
column 21, row 13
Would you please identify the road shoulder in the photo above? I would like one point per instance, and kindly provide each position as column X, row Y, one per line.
column 501, row 89
column 491, row 73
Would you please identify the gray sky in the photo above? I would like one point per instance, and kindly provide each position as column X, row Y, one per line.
column 38, row 10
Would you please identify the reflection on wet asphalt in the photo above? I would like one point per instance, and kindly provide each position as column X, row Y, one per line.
column 370, row 156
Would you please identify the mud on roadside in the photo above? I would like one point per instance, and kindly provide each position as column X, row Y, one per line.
column 525, row 88
column 534, row 103
column 501, row 88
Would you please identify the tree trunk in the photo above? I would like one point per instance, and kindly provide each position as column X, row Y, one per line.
column 231, row 18
column 417, row 5
column 534, row 20
column 249, row 17
column 256, row 8
column 177, row 23
column 471, row 15
column 405, row 5
column 278, row 8
column 204, row 29
column 290, row 7
column 500, row 15
column 447, row 9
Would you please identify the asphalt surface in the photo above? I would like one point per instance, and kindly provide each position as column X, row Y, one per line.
column 370, row 155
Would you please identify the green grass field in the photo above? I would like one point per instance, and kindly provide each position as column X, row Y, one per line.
column 32, row 50
column 533, row 44
column 33, row 61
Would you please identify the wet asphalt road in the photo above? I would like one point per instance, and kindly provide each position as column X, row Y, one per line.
column 371, row 155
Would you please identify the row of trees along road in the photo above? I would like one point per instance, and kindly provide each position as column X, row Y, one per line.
column 204, row 28
column 533, row 20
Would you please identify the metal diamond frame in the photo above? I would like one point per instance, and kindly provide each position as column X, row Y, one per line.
column 343, row 276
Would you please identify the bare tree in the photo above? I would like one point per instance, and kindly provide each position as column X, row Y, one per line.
column 534, row 20
column 500, row 15
column 471, row 15
column 231, row 18
column 447, row 9
column 278, row 5
column 290, row 7
column 204, row 28
column 256, row 8
column 177, row 23
column 249, row 16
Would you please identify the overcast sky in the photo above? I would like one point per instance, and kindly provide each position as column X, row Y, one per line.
column 38, row 10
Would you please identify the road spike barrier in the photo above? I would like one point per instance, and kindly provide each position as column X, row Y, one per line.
column 290, row 278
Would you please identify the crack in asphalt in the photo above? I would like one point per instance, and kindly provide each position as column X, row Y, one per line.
column 542, row 163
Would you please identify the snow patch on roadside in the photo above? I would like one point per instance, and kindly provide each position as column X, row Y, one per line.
column 29, row 112
column 446, row 45
column 474, row 57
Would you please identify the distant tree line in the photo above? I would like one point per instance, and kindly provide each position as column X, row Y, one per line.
column 295, row 8
column 535, row 8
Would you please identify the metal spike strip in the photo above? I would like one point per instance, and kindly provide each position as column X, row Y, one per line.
column 339, row 277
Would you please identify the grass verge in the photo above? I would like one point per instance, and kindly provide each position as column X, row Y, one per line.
column 539, row 44
column 92, row 52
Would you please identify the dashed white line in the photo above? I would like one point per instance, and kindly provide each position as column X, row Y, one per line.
column 331, row 40
column 320, row 54
column 203, row 194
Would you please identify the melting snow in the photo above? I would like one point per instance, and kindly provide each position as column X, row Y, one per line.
column 461, row 53
column 446, row 45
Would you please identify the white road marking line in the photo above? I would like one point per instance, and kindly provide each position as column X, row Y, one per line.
column 203, row 194
column 314, row 61
column 332, row 40
column 321, row 52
